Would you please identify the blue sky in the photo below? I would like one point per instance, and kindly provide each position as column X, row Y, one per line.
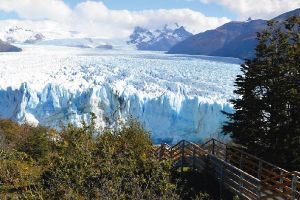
column 8, row 15
column 231, row 9
column 211, row 9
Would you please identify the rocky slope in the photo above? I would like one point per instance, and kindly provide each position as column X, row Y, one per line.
column 6, row 47
column 158, row 40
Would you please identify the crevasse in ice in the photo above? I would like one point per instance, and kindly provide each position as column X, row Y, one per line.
column 174, row 97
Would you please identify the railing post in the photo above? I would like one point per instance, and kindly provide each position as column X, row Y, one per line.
column 221, row 179
column 294, row 186
column 241, row 162
column 281, row 180
column 259, row 190
column 213, row 147
column 241, row 183
column 259, row 169
column 194, row 157
column 182, row 155
column 226, row 153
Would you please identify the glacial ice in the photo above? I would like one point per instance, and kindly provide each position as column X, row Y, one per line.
column 174, row 96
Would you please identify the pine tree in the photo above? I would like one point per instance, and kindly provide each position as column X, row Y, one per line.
column 267, row 117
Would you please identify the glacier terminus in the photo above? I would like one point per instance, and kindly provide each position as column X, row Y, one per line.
column 173, row 96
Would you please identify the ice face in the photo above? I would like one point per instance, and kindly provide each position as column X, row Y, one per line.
column 174, row 97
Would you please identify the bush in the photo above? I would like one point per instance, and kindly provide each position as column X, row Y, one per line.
column 36, row 144
column 76, row 164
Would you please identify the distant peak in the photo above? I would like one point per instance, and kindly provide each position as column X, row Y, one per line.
column 249, row 19
column 14, row 28
column 158, row 39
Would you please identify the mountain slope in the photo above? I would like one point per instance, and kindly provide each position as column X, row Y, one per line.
column 6, row 47
column 234, row 39
column 243, row 44
column 286, row 15
column 18, row 34
column 158, row 40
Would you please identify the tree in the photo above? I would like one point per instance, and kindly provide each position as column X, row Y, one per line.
column 267, row 117
column 19, row 174
column 36, row 144
column 114, row 165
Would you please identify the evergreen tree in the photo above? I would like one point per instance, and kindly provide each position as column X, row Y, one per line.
column 267, row 117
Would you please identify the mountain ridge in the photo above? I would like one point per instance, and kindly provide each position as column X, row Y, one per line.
column 233, row 39
column 17, row 34
column 6, row 47
column 159, row 39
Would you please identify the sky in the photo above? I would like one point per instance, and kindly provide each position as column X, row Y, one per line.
column 211, row 9
column 117, row 18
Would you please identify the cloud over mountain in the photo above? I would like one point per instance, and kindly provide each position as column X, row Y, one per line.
column 94, row 19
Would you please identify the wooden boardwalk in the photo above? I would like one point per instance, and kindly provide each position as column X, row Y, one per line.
column 243, row 174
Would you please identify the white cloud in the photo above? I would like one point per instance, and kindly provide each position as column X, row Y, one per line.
column 97, row 18
column 37, row 9
column 94, row 19
column 264, row 9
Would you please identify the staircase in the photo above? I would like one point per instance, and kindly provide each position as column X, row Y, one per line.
column 243, row 174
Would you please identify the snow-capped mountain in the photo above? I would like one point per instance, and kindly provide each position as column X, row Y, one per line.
column 174, row 97
column 18, row 34
column 158, row 40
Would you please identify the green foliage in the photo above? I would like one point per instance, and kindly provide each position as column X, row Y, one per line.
column 36, row 144
column 236, row 197
column 203, row 196
column 76, row 164
column 18, row 173
column 11, row 133
column 267, row 117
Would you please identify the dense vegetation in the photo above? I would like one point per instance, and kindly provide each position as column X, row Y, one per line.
column 80, row 163
column 267, row 117
column 40, row 163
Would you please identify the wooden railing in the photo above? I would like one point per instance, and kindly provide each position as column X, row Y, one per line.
column 244, row 174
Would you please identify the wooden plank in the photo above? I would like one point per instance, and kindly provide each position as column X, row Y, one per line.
column 176, row 153
column 281, row 180
column 188, row 152
column 276, row 192
column 192, row 154
column 176, row 150
column 284, row 186
column 199, row 149
column 270, row 172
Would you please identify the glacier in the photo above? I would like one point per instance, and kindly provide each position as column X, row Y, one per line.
column 174, row 96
